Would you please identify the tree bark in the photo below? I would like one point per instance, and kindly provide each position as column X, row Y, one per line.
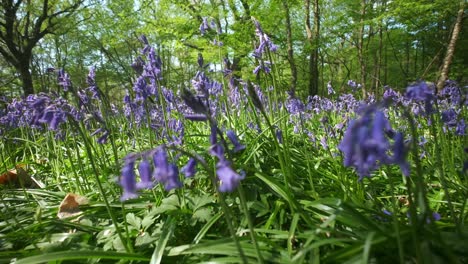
column 17, row 40
column 451, row 47
column 292, row 64
column 313, row 38
column 26, row 77
column 360, row 48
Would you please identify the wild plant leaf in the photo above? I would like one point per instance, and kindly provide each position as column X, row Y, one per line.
column 80, row 255
column 133, row 220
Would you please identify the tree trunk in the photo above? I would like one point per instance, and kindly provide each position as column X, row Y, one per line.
column 26, row 78
column 312, row 37
column 292, row 64
column 360, row 47
column 378, row 67
column 451, row 48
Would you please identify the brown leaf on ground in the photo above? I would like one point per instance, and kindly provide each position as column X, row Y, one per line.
column 70, row 206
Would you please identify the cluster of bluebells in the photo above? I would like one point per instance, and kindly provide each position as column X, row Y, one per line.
column 149, row 103
column 154, row 167
column 200, row 106
column 366, row 145
column 354, row 85
column 37, row 110
column 265, row 45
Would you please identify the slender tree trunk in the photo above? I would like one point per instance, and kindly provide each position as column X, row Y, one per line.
column 360, row 48
column 23, row 66
column 313, row 38
column 292, row 64
column 379, row 61
column 315, row 50
column 451, row 47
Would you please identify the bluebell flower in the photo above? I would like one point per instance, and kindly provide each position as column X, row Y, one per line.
column 352, row 84
column 233, row 138
column 330, row 88
column 279, row 135
column 164, row 172
column 190, row 168
column 419, row 92
column 400, row 151
column 128, row 181
column 204, row 26
column 145, row 170
column 137, row 65
column 200, row 60
column 229, row 179
column 103, row 138
column 364, row 144
column 64, row 80
column 461, row 128
column 449, row 117
column 295, row 106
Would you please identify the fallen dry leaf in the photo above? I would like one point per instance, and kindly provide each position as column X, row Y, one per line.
column 19, row 177
column 70, row 206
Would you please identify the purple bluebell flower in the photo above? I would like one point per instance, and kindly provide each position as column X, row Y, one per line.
column 64, row 80
column 263, row 67
column 164, row 172
column 323, row 142
column 449, row 117
column 128, row 182
column 419, row 92
column 145, row 170
column 200, row 60
column 204, row 26
column 352, row 84
column 279, row 135
column 137, row 65
column 330, row 88
column 295, row 106
column 190, row 168
column 103, row 138
column 91, row 81
column 461, row 128
column 217, row 150
column 145, row 42
column 391, row 95
column 229, row 179
column 400, row 151
column 265, row 42
column 364, row 143
column 233, row 138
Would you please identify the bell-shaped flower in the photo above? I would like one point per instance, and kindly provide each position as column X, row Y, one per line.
column 229, row 179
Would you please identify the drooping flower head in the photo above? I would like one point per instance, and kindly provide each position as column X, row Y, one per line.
column 128, row 181
column 64, row 80
column 365, row 144
column 190, row 168
column 164, row 172
column 233, row 138
column 421, row 92
column 229, row 179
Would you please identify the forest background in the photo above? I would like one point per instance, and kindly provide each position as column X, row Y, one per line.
column 320, row 42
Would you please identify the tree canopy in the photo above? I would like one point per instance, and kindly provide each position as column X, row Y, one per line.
column 372, row 42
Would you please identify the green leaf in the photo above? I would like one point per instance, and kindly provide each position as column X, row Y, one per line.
column 81, row 255
column 134, row 221
column 167, row 231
